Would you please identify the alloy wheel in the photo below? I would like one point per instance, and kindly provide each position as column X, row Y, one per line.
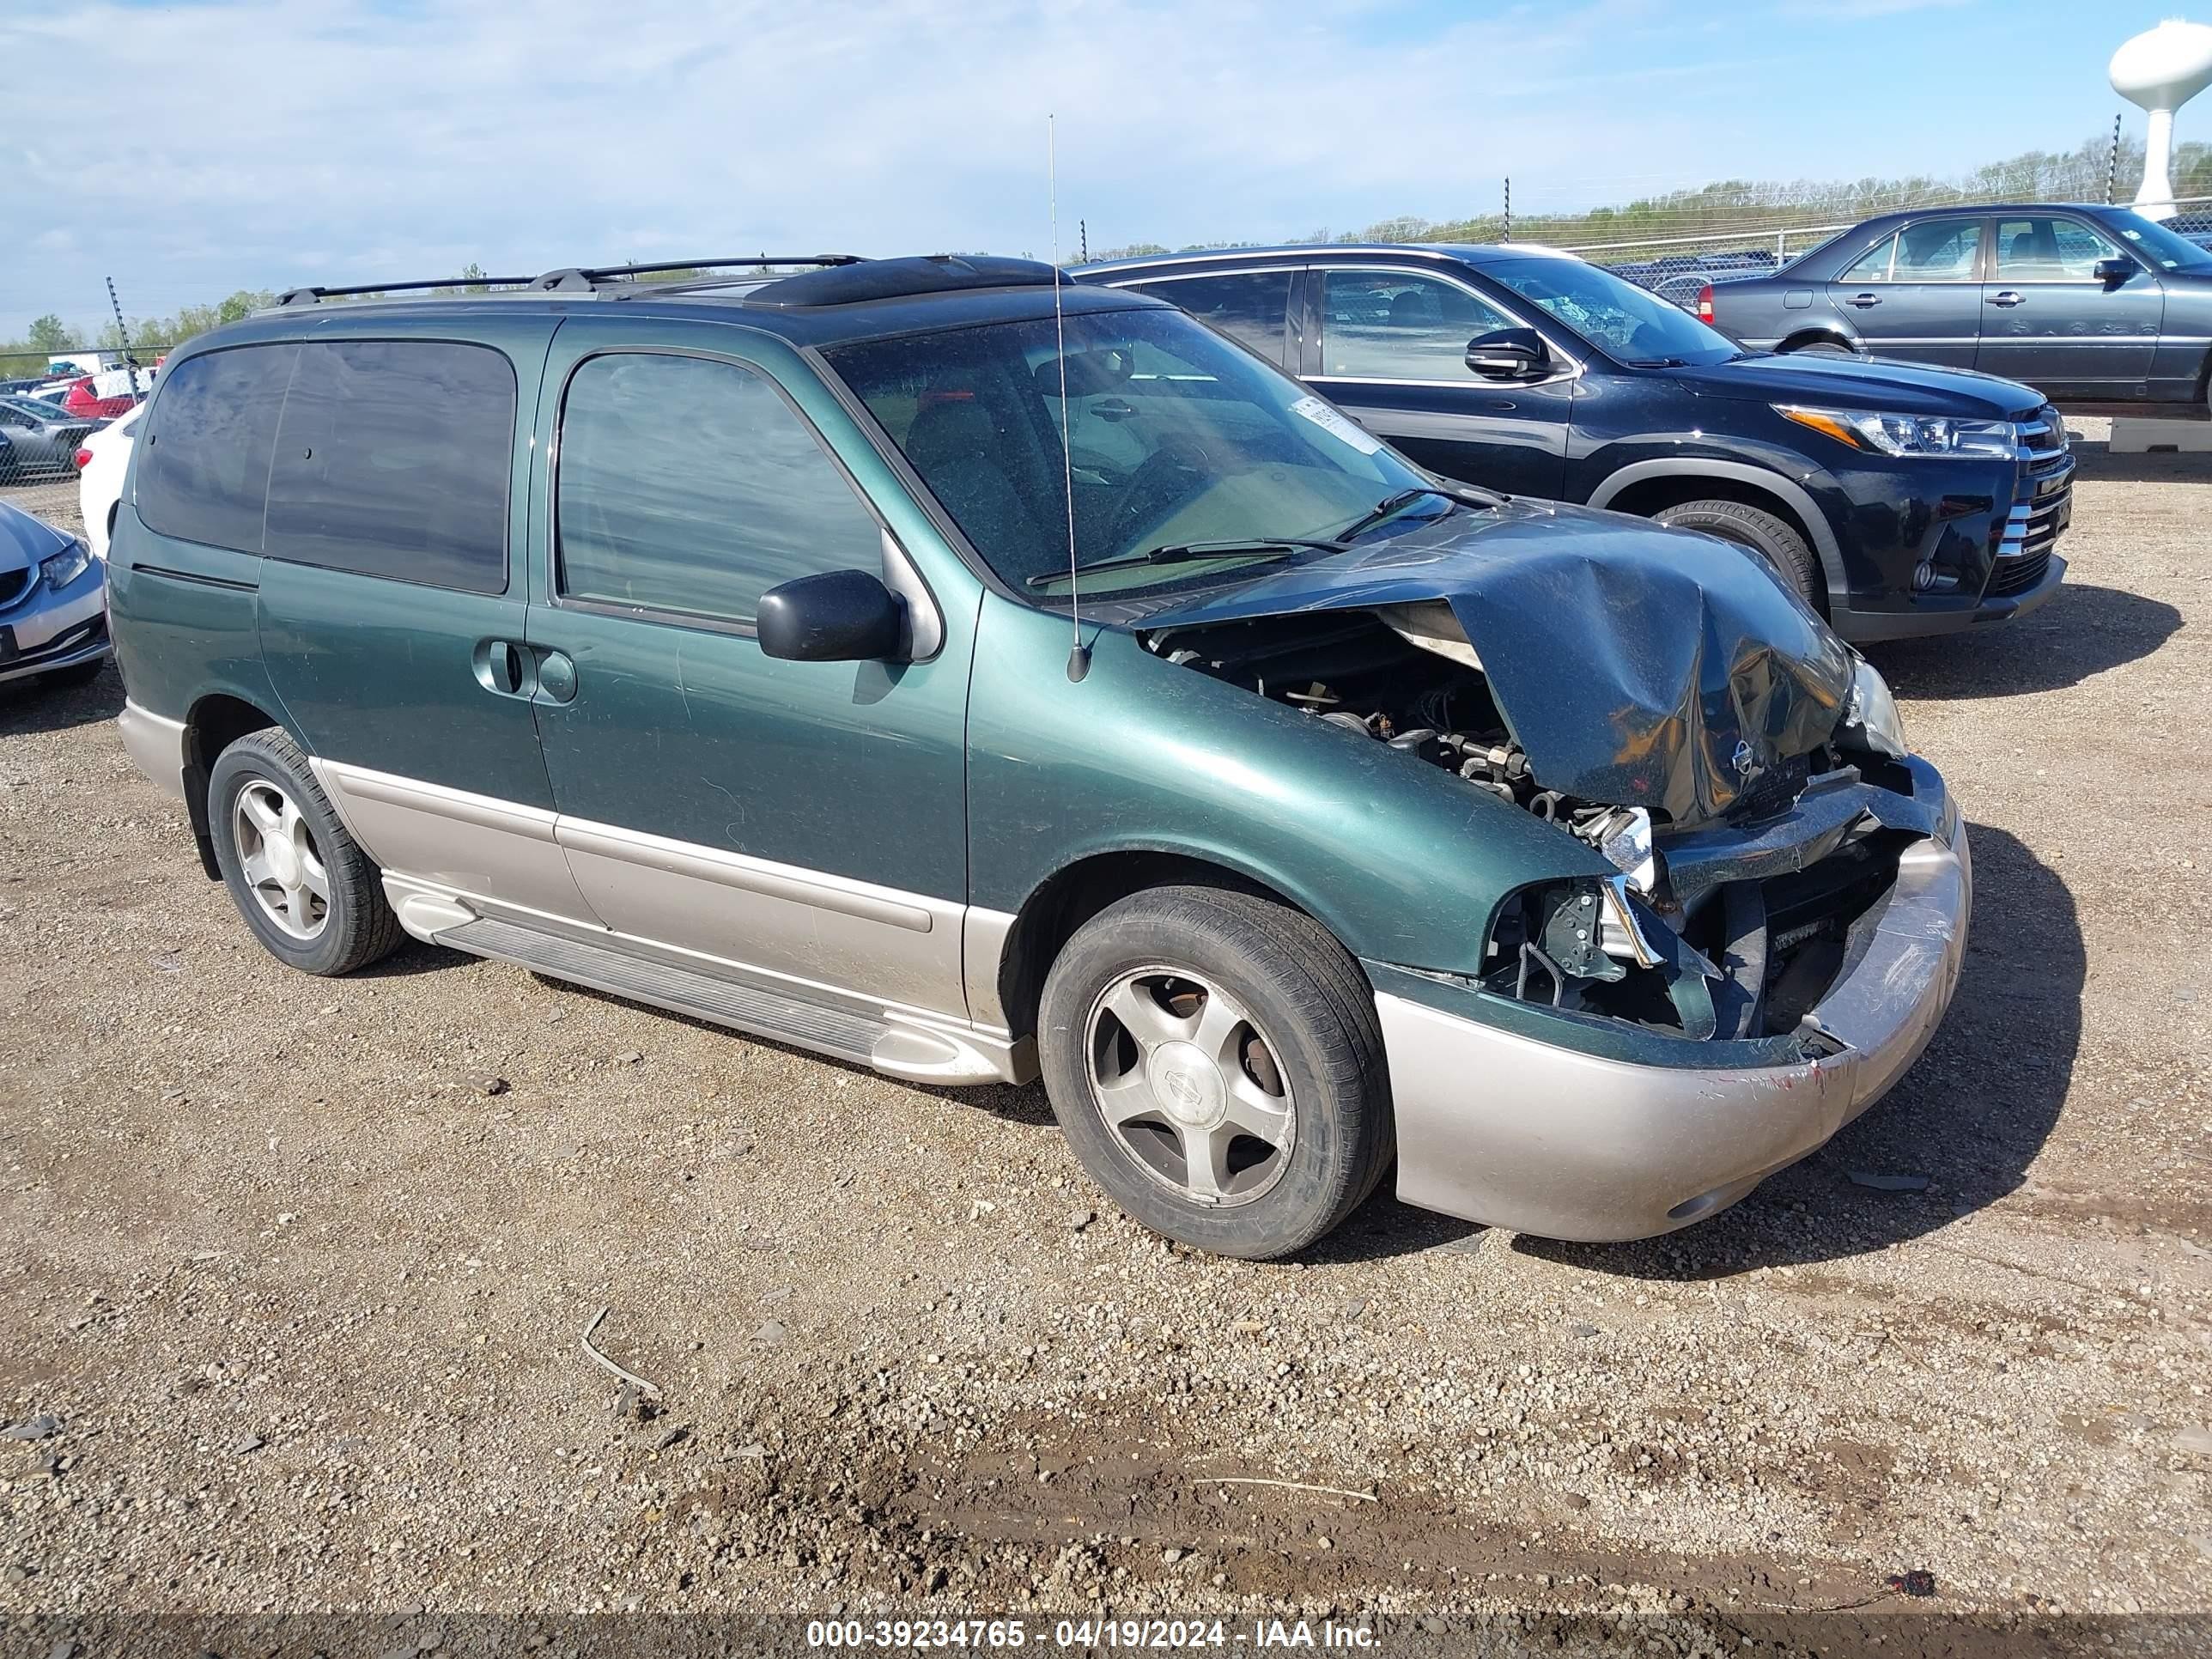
column 1189, row 1086
column 282, row 866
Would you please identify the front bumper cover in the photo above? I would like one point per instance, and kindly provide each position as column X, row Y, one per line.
column 1874, row 627
column 1499, row 1127
column 57, row 631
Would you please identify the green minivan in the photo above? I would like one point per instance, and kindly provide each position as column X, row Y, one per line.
column 953, row 671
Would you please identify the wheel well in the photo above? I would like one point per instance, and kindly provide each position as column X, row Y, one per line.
column 1805, row 337
column 1652, row 497
column 216, row 722
column 1069, row 897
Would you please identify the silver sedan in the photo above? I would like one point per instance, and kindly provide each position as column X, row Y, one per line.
column 42, row 438
column 53, row 606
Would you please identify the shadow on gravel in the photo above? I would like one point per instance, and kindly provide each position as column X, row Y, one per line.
column 2094, row 462
column 30, row 707
column 412, row 958
column 2081, row 631
column 1382, row 1228
column 1969, row 1117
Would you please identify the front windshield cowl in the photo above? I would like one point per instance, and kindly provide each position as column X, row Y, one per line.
column 1178, row 442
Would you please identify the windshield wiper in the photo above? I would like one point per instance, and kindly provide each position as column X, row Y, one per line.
column 1386, row 509
column 1658, row 362
column 1390, row 506
column 1265, row 547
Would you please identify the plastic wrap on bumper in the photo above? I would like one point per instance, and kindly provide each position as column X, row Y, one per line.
column 1498, row 1127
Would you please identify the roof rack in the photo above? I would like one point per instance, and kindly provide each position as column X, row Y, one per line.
column 577, row 279
column 308, row 296
column 571, row 279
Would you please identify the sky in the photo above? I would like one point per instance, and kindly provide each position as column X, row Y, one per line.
column 191, row 149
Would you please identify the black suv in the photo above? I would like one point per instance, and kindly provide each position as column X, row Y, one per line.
column 1898, row 501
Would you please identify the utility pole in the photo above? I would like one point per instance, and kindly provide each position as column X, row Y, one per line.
column 123, row 333
column 1507, row 236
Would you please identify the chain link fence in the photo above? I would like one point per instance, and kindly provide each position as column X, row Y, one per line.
column 54, row 396
column 1676, row 264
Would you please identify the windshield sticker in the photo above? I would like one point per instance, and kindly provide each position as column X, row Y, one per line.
column 1335, row 425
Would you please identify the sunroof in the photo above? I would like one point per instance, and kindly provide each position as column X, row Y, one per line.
column 892, row 279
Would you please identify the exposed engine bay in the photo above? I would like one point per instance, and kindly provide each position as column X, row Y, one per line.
column 1726, row 928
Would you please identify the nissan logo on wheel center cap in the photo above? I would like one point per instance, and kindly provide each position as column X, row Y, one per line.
column 1188, row 1084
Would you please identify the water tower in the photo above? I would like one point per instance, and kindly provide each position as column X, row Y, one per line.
column 2161, row 69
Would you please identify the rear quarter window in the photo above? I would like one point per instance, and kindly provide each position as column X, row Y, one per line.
column 392, row 459
column 204, row 473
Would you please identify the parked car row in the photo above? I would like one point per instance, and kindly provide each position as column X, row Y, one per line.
column 38, row 440
column 978, row 675
column 98, row 393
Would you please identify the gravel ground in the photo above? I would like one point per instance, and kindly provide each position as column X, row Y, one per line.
column 298, row 1267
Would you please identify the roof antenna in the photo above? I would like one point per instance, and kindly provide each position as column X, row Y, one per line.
column 1078, row 657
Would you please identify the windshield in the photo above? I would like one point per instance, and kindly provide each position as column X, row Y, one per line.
column 2163, row 247
column 1175, row 438
column 32, row 407
column 1627, row 323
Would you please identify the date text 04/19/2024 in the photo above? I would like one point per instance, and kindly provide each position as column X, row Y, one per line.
column 1151, row 1634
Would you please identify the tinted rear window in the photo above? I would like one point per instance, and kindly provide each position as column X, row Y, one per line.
column 393, row 459
column 204, row 474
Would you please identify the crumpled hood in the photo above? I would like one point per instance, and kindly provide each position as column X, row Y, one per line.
column 1638, row 666
column 1874, row 385
column 25, row 540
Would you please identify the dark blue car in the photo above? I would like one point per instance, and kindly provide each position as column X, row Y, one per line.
column 1895, row 500
column 2091, row 305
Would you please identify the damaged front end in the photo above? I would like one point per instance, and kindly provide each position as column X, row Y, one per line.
column 1763, row 913
column 1729, row 927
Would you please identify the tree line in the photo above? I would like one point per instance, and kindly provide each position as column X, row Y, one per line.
column 149, row 337
column 1745, row 207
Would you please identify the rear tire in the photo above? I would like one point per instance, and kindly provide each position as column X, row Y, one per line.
column 306, row 888
column 1215, row 1060
column 1774, row 538
column 1819, row 349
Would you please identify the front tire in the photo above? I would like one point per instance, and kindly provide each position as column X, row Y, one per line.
column 1774, row 538
column 305, row 887
column 1214, row 1059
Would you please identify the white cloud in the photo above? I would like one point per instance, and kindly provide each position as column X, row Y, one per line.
column 276, row 141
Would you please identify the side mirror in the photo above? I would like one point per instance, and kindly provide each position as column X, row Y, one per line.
column 838, row 616
column 1509, row 354
column 2113, row 272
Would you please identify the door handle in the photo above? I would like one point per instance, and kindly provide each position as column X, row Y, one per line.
column 557, row 674
column 502, row 668
column 1864, row 302
column 2007, row 297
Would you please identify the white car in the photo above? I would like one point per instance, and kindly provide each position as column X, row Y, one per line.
column 100, row 462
